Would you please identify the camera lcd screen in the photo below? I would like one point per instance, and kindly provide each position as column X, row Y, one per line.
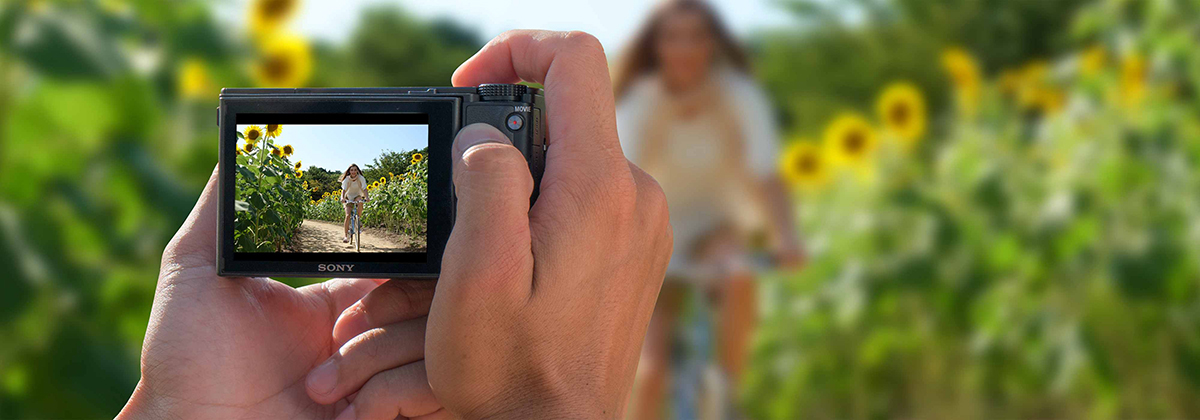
column 339, row 184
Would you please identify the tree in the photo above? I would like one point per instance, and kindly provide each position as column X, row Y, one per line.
column 391, row 162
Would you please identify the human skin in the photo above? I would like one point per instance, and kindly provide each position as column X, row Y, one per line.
column 540, row 311
column 236, row 347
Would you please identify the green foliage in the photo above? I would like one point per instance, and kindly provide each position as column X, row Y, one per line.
column 269, row 198
column 391, row 163
column 321, row 181
column 102, row 157
column 399, row 204
column 427, row 57
column 831, row 61
column 1023, row 263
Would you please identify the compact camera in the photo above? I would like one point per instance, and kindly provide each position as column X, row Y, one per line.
column 353, row 182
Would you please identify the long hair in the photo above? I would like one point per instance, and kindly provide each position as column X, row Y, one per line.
column 347, row 172
column 640, row 57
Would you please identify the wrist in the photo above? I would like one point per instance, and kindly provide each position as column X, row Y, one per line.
column 557, row 408
column 143, row 405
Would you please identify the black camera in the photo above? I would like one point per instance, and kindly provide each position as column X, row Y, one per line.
column 353, row 182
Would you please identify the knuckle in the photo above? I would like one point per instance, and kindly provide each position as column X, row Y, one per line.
column 387, row 302
column 584, row 42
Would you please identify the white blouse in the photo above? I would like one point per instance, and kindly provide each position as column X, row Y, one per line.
column 690, row 171
column 354, row 189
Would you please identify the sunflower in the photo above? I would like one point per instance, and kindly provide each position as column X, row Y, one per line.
column 285, row 61
column 1031, row 82
column 902, row 110
column 1051, row 100
column 266, row 16
column 1092, row 60
column 299, row 174
column 850, row 140
column 276, row 152
column 312, row 202
column 325, row 195
column 391, row 174
column 305, row 185
column 287, row 149
column 382, row 181
column 248, row 147
column 417, row 157
column 803, row 166
column 193, row 79
column 273, row 130
column 239, row 151
column 1133, row 80
column 964, row 73
column 298, row 164
column 253, row 134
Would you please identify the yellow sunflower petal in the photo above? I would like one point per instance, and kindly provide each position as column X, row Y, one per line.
column 285, row 61
column 901, row 107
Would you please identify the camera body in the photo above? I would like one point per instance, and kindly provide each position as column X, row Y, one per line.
column 271, row 226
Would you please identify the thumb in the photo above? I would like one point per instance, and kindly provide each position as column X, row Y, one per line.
column 490, row 243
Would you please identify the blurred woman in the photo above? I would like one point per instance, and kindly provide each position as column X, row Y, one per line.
column 689, row 114
column 354, row 186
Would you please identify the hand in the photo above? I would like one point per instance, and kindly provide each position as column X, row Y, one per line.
column 540, row 312
column 234, row 347
column 379, row 364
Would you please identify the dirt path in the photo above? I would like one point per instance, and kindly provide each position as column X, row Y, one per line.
column 322, row 236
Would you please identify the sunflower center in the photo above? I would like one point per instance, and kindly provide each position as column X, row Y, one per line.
column 274, row 8
column 808, row 164
column 854, row 142
column 899, row 114
column 277, row 67
column 252, row 135
column 272, row 127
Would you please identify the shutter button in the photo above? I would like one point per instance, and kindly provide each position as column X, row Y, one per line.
column 514, row 122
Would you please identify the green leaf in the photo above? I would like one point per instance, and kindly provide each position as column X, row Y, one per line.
column 248, row 174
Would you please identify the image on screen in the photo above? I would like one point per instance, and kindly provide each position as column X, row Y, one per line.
column 331, row 188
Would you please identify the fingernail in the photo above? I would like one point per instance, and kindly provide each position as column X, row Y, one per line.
column 323, row 379
column 347, row 414
column 476, row 134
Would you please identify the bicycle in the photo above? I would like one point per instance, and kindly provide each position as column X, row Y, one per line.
column 355, row 223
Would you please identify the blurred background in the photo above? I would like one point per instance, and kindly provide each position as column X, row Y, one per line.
column 992, row 207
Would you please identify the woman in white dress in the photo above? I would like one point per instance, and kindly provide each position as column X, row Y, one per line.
column 354, row 186
column 689, row 114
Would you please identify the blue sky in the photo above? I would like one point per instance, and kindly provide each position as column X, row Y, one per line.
column 613, row 22
column 335, row 147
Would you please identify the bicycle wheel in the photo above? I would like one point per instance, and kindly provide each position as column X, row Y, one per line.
column 357, row 234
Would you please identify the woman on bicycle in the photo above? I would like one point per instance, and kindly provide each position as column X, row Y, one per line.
column 354, row 186
column 690, row 114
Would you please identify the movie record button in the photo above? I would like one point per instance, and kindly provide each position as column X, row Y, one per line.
column 514, row 122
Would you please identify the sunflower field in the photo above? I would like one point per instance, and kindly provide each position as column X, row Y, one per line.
column 269, row 192
column 1028, row 249
column 107, row 136
column 399, row 202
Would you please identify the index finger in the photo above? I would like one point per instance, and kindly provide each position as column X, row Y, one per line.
column 572, row 67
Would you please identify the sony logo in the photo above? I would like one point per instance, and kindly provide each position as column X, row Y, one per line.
column 335, row 267
column 522, row 108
